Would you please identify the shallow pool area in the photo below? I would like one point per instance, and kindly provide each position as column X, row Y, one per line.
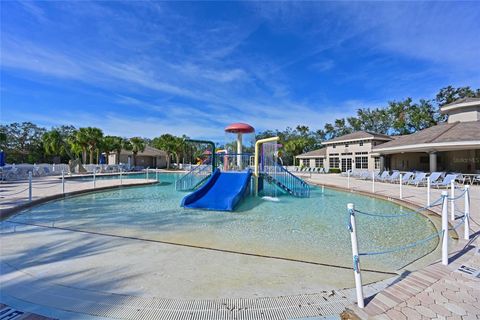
column 312, row 229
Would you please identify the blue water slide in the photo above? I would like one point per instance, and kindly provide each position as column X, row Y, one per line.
column 222, row 192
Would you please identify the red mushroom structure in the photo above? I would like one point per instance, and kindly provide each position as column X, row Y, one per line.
column 240, row 129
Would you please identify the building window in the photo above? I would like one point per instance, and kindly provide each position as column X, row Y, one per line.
column 334, row 163
column 363, row 152
column 334, row 146
column 361, row 143
column 318, row 162
column 361, row 162
column 377, row 163
column 346, row 145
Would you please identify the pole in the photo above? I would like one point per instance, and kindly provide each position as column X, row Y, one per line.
column 348, row 179
column 373, row 181
column 156, row 174
column 356, row 259
column 401, row 184
column 63, row 182
column 466, row 231
column 147, row 173
column 452, row 201
column 323, row 188
column 445, row 228
column 121, row 180
column 428, row 191
column 94, row 178
column 30, row 186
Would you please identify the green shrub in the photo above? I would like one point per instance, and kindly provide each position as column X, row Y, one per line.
column 334, row 170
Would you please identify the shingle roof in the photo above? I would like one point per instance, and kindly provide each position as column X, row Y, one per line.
column 444, row 132
column 360, row 135
column 315, row 153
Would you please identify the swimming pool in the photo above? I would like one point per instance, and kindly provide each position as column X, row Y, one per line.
column 307, row 229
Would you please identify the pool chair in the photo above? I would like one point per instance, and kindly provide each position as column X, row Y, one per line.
column 445, row 183
column 476, row 179
column 393, row 177
column 406, row 177
column 435, row 176
column 385, row 177
column 420, row 178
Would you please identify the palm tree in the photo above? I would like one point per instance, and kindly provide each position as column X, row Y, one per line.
column 93, row 136
column 52, row 143
column 112, row 144
column 138, row 145
column 80, row 140
column 167, row 143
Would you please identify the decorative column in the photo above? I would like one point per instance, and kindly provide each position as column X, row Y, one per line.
column 433, row 161
column 382, row 163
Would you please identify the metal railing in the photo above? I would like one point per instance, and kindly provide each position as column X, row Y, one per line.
column 234, row 161
column 194, row 177
column 287, row 181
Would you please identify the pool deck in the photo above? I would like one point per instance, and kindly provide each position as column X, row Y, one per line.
column 437, row 291
column 73, row 275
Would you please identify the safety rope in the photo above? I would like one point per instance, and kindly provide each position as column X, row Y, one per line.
column 399, row 215
column 404, row 247
column 12, row 194
column 457, row 197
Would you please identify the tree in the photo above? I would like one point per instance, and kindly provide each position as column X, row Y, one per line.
column 93, row 138
column 450, row 94
column 112, row 144
column 80, row 141
column 167, row 143
column 138, row 145
column 23, row 142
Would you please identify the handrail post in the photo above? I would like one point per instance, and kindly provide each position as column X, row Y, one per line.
column 373, row 181
column 94, row 178
column 257, row 147
column 356, row 259
column 156, row 174
column 147, row 173
column 348, row 179
column 452, row 200
column 63, row 182
column 466, row 232
column 401, row 184
column 445, row 228
column 30, row 186
column 428, row 191
column 121, row 178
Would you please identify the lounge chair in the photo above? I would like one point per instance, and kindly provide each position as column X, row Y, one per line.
column 420, row 178
column 435, row 176
column 406, row 177
column 446, row 181
column 476, row 179
column 392, row 178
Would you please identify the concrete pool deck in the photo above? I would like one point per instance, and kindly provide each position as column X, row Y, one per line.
column 78, row 272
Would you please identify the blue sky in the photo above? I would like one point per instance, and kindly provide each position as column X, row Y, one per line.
column 146, row 68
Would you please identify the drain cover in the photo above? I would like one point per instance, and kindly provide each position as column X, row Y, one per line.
column 469, row 270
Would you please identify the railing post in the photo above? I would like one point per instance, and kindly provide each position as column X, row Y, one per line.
column 452, row 201
column 401, row 183
column 373, row 181
column 323, row 188
column 348, row 179
column 156, row 174
column 356, row 259
column 94, row 178
column 63, row 182
column 147, row 173
column 445, row 228
column 121, row 180
column 30, row 186
column 428, row 191
column 466, row 232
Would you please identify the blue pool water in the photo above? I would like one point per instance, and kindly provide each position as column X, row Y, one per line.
column 311, row 229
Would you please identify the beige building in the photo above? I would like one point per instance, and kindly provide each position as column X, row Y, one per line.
column 349, row 152
column 150, row 157
column 453, row 146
